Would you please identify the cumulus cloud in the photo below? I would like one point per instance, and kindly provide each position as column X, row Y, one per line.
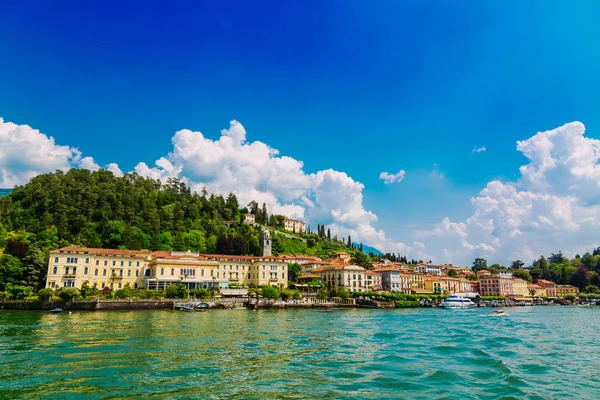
column 554, row 205
column 26, row 152
column 478, row 150
column 391, row 178
column 256, row 171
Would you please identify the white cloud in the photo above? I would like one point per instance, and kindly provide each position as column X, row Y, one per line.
column 478, row 150
column 553, row 206
column 114, row 168
column 391, row 178
column 26, row 152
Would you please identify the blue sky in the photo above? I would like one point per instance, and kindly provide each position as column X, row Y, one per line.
column 356, row 86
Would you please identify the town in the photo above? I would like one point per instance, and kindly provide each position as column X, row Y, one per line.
column 113, row 270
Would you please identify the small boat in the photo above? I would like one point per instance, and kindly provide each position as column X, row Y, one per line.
column 455, row 301
column 498, row 313
column 56, row 310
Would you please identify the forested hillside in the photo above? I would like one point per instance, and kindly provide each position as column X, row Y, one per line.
column 97, row 209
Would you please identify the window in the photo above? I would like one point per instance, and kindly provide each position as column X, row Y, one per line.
column 283, row 267
column 249, row 275
column 128, row 272
column 67, row 271
column 103, row 285
column 237, row 267
column 111, row 285
column 54, row 271
column 202, row 272
column 217, row 274
column 137, row 264
column 96, row 272
column 137, row 273
column 104, row 272
column 55, row 259
column 211, row 272
column 114, row 263
column 105, row 263
column 130, row 263
column 122, row 263
column 172, row 271
column 162, row 271
column 97, row 262
column 148, row 272
column 119, row 285
column 85, row 271
column 263, row 273
column 283, row 275
column 87, row 260
column 135, row 285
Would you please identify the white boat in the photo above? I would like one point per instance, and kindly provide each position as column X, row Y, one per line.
column 455, row 301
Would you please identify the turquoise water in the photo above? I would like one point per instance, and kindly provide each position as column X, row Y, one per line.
column 534, row 353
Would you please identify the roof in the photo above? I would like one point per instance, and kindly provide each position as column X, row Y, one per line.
column 104, row 252
column 310, row 276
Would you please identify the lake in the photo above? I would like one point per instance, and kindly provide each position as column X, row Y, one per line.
column 534, row 352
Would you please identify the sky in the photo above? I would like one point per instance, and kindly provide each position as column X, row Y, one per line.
column 439, row 130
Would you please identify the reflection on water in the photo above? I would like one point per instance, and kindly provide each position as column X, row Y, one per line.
column 543, row 352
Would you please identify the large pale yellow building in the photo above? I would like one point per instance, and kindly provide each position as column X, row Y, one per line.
column 519, row 287
column 74, row 265
column 492, row 285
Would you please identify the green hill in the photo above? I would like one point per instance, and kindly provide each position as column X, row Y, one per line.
column 98, row 209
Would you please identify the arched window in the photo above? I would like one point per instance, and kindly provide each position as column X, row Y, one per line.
column 162, row 271
column 85, row 271
column 104, row 272
column 96, row 272
column 55, row 270
column 67, row 271
column 74, row 270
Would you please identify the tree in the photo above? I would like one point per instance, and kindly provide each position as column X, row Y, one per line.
column 343, row 293
column 362, row 260
column 11, row 271
column 452, row 273
column 479, row 264
column 177, row 291
column 294, row 271
column 522, row 274
column 254, row 247
column 68, row 293
column 557, row 258
column 517, row 264
column 328, row 234
column 349, row 243
column 19, row 291
column 45, row 294
column 581, row 277
column 270, row 292
column 322, row 294
column 195, row 241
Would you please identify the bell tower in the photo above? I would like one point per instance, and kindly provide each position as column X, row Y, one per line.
column 265, row 242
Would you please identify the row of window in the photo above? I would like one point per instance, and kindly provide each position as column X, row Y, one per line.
column 70, row 283
column 73, row 271
column 74, row 260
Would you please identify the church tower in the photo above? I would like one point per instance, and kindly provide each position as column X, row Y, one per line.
column 265, row 242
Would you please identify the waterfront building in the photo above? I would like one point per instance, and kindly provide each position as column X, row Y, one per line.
column 392, row 280
column 505, row 274
column 483, row 272
column 494, row 285
column 336, row 276
column 519, row 287
column 566, row 290
column 294, row 225
column 465, row 286
column 249, row 218
column 535, row 290
column 549, row 286
column 73, row 265
column 430, row 269
column 372, row 280
column 442, row 284
column 416, row 281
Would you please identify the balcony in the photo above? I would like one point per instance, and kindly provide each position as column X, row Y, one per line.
column 273, row 280
column 68, row 276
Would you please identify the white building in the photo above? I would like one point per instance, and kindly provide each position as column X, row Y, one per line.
column 294, row 225
column 430, row 269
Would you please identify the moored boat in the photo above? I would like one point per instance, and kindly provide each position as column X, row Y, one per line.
column 455, row 301
column 56, row 310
